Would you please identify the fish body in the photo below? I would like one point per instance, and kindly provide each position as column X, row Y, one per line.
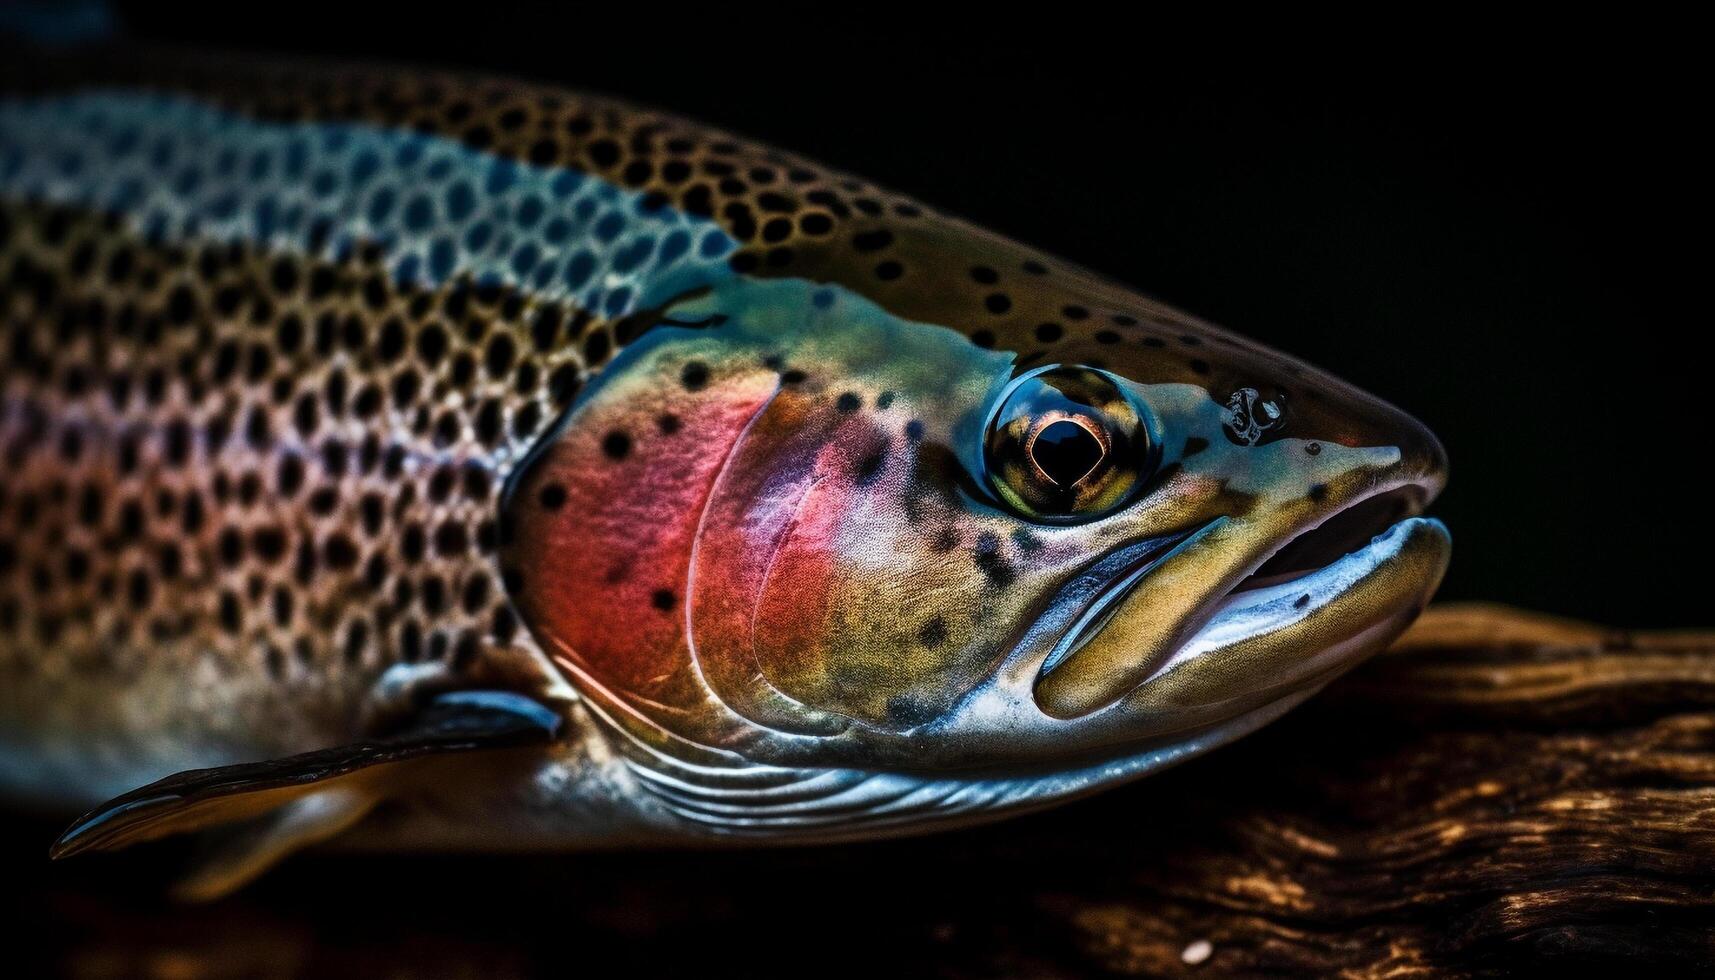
column 699, row 492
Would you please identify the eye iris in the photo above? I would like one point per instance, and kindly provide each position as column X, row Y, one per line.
column 1065, row 443
column 1066, row 452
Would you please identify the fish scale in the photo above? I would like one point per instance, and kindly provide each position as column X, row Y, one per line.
column 354, row 418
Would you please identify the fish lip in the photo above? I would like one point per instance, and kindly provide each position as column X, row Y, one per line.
column 1224, row 603
column 1381, row 568
column 1109, row 593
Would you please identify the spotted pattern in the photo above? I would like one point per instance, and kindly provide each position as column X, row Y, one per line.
column 789, row 216
column 436, row 210
column 292, row 463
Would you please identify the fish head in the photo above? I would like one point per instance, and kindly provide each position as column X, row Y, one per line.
column 790, row 528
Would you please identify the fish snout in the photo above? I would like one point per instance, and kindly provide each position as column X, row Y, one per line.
column 1328, row 562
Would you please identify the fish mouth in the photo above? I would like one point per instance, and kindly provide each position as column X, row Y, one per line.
column 1327, row 597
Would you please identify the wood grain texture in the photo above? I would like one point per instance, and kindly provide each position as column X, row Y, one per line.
column 1501, row 793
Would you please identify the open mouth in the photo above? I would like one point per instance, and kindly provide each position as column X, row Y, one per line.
column 1346, row 531
column 1317, row 604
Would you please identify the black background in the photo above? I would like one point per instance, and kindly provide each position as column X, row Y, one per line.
column 1502, row 232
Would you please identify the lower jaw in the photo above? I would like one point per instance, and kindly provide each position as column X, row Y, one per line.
column 1262, row 643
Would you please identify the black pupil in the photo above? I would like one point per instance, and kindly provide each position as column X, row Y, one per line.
column 1066, row 452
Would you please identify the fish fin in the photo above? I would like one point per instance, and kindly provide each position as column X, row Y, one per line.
column 304, row 798
column 235, row 859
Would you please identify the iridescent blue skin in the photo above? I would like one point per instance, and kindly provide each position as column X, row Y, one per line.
column 851, row 620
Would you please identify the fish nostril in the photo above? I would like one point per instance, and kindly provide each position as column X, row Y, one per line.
column 1339, row 535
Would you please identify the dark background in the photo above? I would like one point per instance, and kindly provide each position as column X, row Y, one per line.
column 1500, row 232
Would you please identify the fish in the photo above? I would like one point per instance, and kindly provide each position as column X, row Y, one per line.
column 399, row 458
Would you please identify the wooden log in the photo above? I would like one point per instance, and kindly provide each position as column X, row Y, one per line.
column 1500, row 793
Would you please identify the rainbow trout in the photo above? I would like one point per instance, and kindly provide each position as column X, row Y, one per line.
column 423, row 460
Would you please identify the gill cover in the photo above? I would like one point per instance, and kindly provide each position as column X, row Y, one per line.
column 734, row 532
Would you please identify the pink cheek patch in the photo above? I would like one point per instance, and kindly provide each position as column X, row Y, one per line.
column 779, row 571
column 604, row 522
column 755, row 513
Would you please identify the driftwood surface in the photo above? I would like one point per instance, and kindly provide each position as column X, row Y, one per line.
column 1501, row 793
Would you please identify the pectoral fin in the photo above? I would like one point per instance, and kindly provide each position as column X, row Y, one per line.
column 301, row 799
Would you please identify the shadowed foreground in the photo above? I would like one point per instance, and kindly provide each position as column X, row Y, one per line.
column 1502, row 791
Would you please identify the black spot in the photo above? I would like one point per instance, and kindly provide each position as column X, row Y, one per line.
column 412, row 543
column 306, row 414
column 324, row 500
column 432, row 345
column 339, row 552
column 552, row 496
column 231, row 616
column 392, row 341
column 139, row 588
column 405, row 387
column 988, row 558
column 1301, row 601
column 411, row 642
column 256, row 428
column 616, row 445
column 694, row 375
column 1027, row 542
column 465, row 651
column 230, row 544
column 446, row 429
column 356, row 639
column 334, row 457
column 475, row 594
column 500, row 355
column 373, row 514
column 451, row 538
column 848, row 402
column 487, row 424
column 933, row 633
column 869, row 468
column 269, row 543
column 563, row 386
column 505, row 624
column 375, row 572
column 529, row 417
column 544, row 332
column 434, row 595
column 668, row 424
column 595, row 347
column 282, row 605
column 1317, row 492
column 1194, row 445
column 662, row 599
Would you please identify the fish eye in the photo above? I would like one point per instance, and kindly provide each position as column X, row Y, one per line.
column 1067, row 443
